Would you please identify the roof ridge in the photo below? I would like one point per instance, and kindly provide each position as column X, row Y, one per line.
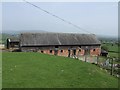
column 56, row 33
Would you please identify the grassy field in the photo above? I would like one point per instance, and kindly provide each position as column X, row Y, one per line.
column 111, row 54
column 113, row 48
column 34, row 70
column 0, row 70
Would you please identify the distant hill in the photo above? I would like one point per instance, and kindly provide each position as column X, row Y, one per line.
column 107, row 38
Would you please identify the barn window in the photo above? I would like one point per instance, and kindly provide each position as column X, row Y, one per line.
column 42, row 51
column 61, row 51
column 50, row 51
column 56, row 46
column 93, row 49
column 79, row 50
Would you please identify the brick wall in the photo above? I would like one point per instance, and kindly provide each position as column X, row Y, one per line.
column 63, row 50
column 95, row 51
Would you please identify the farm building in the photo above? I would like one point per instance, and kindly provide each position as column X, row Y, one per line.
column 61, row 44
column 104, row 53
column 13, row 43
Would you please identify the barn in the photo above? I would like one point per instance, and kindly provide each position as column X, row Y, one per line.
column 61, row 44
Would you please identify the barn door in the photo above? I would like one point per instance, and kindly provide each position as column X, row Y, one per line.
column 69, row 53
column 87, row 51
column 74, row 52
column 55, row 52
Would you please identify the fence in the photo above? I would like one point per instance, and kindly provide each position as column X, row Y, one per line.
column 111, row 65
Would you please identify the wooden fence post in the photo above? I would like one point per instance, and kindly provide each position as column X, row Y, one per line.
column 85, row 58
column 97, row 59
column 111, row 66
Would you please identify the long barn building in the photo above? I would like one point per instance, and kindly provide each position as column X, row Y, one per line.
column 61, row 44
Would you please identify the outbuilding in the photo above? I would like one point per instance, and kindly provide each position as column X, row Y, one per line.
column 61, row 44
column 13, row 43
column 104, row 53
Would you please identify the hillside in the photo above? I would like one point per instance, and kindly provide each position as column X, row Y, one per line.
column 34, row 70
column 0, row 70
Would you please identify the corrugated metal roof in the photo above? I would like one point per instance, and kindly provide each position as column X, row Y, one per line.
column 28, row 39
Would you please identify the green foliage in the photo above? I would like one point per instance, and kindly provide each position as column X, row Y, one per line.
column 104, row 48
column 35, row 70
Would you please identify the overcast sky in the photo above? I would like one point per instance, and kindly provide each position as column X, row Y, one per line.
column 95, row 17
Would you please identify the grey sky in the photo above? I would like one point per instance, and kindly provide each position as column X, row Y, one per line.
column 96, row 17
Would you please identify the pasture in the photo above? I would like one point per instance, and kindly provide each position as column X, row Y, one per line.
column 0, row 70
column 113, row 49
column 35, row 70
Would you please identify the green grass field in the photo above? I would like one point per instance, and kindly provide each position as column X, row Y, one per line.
column 0, row 70
column 113, row 48
column 111, row 54
column 35, row 70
